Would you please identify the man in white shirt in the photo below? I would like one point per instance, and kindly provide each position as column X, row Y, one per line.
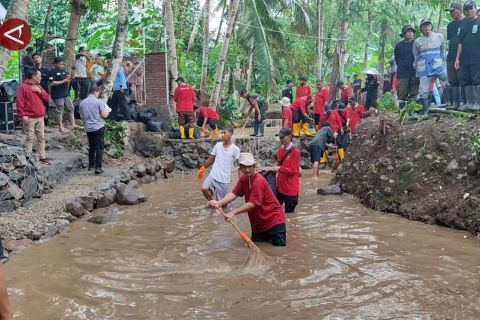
column 82, row 82
column 223, row 157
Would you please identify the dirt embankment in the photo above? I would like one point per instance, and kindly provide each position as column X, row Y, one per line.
column 426, row 171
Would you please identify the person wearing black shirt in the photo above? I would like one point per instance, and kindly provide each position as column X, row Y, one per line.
column 357, row 85
column 453, row 36
column 407, row 81
column 468, row 57
column 371, row 87
column 59, row 80
column 288, row 91
column 37, row 60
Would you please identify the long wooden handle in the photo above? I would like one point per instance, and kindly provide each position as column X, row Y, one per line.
column 243, row 235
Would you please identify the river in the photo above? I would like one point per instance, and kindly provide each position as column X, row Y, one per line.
column 342, row 261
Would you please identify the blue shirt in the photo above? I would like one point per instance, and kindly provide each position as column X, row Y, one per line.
column 120, row 80
column 90, row 109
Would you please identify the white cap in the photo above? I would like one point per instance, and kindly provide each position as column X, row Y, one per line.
column 246, row 159
column 285, row 102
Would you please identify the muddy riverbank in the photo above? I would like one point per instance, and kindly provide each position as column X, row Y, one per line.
column 342, row 261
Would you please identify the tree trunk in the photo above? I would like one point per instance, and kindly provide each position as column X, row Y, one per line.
column 381, row 54
column 367, row 44
column 223, row 54
column 339, row 58
column 172, row 50
column 79, row 8
column 194, row 33
column 320, row 40
column 250, row 72
column 206, row 42
column 118, row 46
column 440, row 16
column 219, row 31
column 47, row 20
column 16, row 9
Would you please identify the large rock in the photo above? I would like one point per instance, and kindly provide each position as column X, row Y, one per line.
column 9, row 205
column 190, row 160
column 12, row 191
column 3, row 179
column 150, row 169
column 127, row 195
column 452, row 166
column 88, row 202
column 18, row 245
column 330, row 190
column 111, row 216
column 139, row 169
column 168, row 164
column 20, row 161
column 76, row 209
column 105, row 198
column 30, row 187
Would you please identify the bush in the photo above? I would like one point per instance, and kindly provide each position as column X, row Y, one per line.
column 230, row 113
column 115, row 133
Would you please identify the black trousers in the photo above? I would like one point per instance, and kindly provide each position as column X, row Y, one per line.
column 470, row 74
column 276, row 235
column 290, row 202
column 82, row 87
column 119, row 105
column 96, row 144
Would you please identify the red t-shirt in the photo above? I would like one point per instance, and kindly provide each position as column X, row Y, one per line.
column 346, row 93
column 208, row 113
column 353, row 116
column 335, row 120
column 320, row 100
column 288, row 178
column 360, row 108
column 300, row 104
column 303, row 91
column 287, row 115
column 267, row 212
column 184, row 97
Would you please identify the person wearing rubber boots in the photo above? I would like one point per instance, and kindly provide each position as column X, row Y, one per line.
column 468, row 57
column 208, row 116
column 259, row 106
column 301, row 118
column 318, row 147
column 303, row 90
column 185, row 98
column 429, row 62
column 453, row 37
column 407, row 81
column 321, row 99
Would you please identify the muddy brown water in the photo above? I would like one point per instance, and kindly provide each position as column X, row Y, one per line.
column 342, row 262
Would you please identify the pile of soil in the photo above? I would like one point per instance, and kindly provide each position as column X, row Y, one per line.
column 426, row 171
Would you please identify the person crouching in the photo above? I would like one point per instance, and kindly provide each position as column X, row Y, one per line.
column 206, row 115
column 265, row 213
column 93, row 111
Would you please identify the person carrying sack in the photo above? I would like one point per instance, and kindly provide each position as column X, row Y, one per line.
column 288, row 172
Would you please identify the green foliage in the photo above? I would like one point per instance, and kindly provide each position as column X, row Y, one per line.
column 115, row 133
column 12, row 71
column 387, row 103
column 423, row 150
column 229, row 113
column 409, row 109
column 476, row 144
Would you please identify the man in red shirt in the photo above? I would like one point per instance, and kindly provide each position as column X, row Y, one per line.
column 300, row 116
column 287, row 169
column 321, row 98
column 287, row 113
column 30, row 108
column 185, row 97
column 265, row 213
column 303, row 89
column 347, row 92
column 210, row 116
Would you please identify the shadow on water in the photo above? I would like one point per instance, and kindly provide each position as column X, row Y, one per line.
column 172, row 258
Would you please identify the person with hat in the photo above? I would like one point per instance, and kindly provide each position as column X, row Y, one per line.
column 301, row 118
column 287, row 113
column 468, row 57
column 453, row 37
column 266, row 215
column 429, row 62
column 303, row 90
column 287, row 170
column 321, row 99
column 371, row 88
column 407, row 81
column 288, row 91
column 318, row 146
column 224, row 156
column 259, row 106
column 185, row 97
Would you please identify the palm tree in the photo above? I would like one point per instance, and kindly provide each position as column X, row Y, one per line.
column 206, row 41
column 16, row 9
column 339, row 58
column 320, row 40
column 172, row 50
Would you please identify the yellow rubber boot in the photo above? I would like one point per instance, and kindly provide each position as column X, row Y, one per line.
column 191, row 133
column 216, row 133
column 324, row 158
column 306, row 130
column 341, row 154
column 205, row 133
column 182, row 132
column 296, row 130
